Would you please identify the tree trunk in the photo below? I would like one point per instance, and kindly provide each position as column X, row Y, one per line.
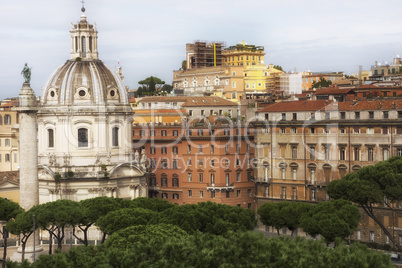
column 23, row 251
column 50, row 243
column 103, row 238
column 79, row 238
column 370, row 213
column 5, row 249
column 277, row 229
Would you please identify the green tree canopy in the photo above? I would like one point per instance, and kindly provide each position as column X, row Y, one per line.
column 322, row 83
column 152, row 83
column 208, row 217
column 235, row 249
column 278, row 67
column 123, row 218
column 369, row 186
column 22, row 225
column 151, row 203
column 331, row 219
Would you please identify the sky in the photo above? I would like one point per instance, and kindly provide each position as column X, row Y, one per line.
column 149, row 37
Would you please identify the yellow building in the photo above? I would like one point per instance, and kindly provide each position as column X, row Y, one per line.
column 9, row 137
column 243, row 55
column 260, row 80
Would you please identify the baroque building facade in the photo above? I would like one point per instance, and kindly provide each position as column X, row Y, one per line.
column 84, row 128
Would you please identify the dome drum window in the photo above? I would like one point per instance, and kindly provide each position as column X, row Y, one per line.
column 82, row 93
column 112, row 93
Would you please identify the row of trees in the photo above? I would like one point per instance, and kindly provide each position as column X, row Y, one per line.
column 331, row 219
column 112, row 214
column 166, row 245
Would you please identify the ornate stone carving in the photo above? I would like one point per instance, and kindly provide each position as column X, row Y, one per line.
column 94, row 190
column 66, row 158
column 98, row 159
column 69, row 191
column 52, row 160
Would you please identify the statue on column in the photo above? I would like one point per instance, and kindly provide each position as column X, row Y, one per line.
column 143, row 158
column 136, row 156
column 26, row 73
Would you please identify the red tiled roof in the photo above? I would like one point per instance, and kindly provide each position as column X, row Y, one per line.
column 334, row 91
column 369, row 105
column 131, row 100
column 296, row 106
column 12, row 103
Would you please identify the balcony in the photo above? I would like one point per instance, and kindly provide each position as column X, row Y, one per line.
column 263, row 180
column 315, row 183
column 227, row 187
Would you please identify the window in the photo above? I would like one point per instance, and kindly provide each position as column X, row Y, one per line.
column 220, row 112
column 175, row 196
column 326, row 152
column 327, row 116
column 226, row 132
column 370, row 154
column 312, row 130
column 142, row 133
column 357, row 154
column 234, row 84
column 175, row 150
column 237, row 147
column 399, row 115
column 175, row 133
column 312, row 152
column 7, row 158
column 370, row 130
column 283, row 130
column 202, row 112
column 190, row 193
column 200, row 132
column 227, row 177
column 188, row 132
column 115, row 136
column 152, row 150
column 82, row 137
column 283, row 116
column 201, row 177
column 238, row 193
column 249, row 192
column 212, row 194
column 227, row 163
column 164, row 195
column 342, row 153
column 163, row 133
column 312, row 194
column 238, row 176
column 343, row 115
column 164, row 181
column 294, row 152
column 50, row 135
column 212, row 162
column 357, row 115
column 227, row 194
column 201, row 194
column 371, row 236
column 212, row 179
column 385, row 154
column 342, row 130
column 284, row 192
column 189, row 149
column 7, row 119
column 356, row 130
column 312, row 116
column 294, row 174
column 227, row 149
column 152, row 133
column 294, row 116
column 1, row 120
column 200, row 162
column 175, row 182
column 384, row 130
column 399, row 152
column 189, row 162
column 283, row 173
column 163, row 150
column 164, row 164
column 152, row 163
column 174, row 164
column 212, row 149
column 371, row 115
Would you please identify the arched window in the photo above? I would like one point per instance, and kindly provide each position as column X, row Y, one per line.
column 84, row 47
column 50, row 135
column 90, row 43
column 82, row 137
column 115, row 136
column 1, row 120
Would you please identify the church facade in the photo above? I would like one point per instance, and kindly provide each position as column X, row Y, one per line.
column 84, row 129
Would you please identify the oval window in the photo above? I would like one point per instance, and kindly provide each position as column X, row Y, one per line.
column 112, row 93
column 82, row 93
column 52, row 93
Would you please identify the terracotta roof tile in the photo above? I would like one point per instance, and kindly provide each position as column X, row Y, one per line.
column 334, row 91
column 296, row 106
column 192, row 101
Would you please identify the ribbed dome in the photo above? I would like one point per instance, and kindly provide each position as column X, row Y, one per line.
column 85, row 82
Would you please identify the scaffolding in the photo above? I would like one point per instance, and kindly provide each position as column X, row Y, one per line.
column 202, row 54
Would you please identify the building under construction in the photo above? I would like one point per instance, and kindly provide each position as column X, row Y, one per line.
column 202, row 54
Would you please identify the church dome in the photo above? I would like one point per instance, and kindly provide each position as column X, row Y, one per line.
column 84, row 82
column 84, row 79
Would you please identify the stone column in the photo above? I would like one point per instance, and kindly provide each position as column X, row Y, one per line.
column 28, row 149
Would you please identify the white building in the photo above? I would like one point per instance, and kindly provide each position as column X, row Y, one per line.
column 84, row 128
column 291, row 83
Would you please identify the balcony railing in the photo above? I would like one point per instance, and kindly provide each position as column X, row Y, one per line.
column 263, row 180
column 214, row 187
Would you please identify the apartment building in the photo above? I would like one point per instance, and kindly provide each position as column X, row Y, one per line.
column 9, row 137
column 301, row 146
column 199, row 161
